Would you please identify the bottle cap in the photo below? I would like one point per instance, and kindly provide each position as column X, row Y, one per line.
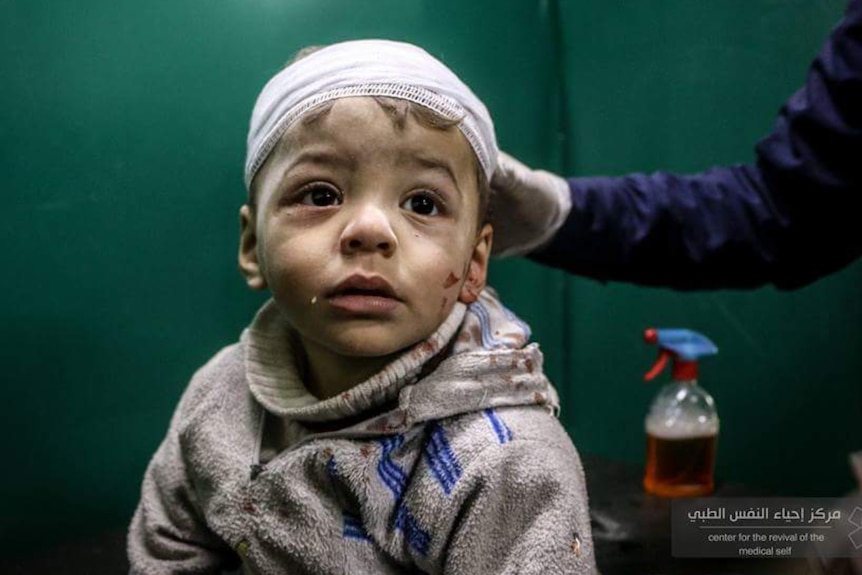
column 684, row 346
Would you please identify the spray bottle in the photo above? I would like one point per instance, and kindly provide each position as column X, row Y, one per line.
column 682, row 423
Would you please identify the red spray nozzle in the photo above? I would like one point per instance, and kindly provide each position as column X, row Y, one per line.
column 660, row 363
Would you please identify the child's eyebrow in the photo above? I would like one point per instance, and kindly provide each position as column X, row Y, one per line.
column 322, row 158
column 436, row 164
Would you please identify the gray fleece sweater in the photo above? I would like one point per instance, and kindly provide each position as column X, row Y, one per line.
column 450, row 460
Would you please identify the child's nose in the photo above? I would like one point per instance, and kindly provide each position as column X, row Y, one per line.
column 369, row 230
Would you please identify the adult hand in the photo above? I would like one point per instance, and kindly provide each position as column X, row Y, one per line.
column 527, row 207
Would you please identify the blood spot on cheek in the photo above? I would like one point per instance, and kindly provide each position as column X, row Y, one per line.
column 451, row 280
column 444, row 302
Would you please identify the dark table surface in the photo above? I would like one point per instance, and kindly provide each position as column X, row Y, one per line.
column 631, row 532
column 632, row 529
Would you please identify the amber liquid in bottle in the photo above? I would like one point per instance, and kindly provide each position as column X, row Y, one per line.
column 680, row 466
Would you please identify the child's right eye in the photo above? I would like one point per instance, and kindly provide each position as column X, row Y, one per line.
column 320, row 196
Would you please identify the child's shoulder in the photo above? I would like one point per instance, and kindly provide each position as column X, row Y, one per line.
column 509, row 457
column 494, row 436
column 501, row 425
column 227, row 362
column 210, row 382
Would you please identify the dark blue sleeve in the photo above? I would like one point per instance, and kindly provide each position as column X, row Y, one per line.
column 789, row 219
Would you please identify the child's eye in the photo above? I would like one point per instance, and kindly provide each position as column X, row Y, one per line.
column 422, row 203
column 320, row 196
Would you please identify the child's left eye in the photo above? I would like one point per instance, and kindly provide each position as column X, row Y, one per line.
column 422, row 203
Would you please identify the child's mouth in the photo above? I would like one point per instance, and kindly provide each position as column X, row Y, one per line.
column 364, row 295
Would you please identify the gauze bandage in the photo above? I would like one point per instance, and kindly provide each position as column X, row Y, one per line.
column 366, row 68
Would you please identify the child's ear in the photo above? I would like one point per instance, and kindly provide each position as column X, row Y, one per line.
column 248, row 260
column 477, row 271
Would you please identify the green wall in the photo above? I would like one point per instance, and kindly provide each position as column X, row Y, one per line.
column 702, row 81
column 122, row 130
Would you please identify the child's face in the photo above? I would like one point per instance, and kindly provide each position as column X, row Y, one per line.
column 350, row 195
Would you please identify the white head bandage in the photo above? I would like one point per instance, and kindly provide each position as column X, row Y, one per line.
column 366, row 68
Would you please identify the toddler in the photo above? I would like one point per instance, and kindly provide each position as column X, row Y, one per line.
column 383, row 413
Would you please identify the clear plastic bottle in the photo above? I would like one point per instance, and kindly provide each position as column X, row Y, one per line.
column 682, row 424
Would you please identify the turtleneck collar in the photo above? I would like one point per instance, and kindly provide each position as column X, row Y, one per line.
column 274, row 375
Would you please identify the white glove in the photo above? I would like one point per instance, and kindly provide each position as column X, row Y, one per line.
column 527, row 207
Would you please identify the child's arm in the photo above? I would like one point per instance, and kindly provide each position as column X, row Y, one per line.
column 788, row 220
column 168, row 533
column 523, row 511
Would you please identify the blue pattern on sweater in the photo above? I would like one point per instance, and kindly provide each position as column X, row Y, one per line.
column 504, row 434
column 353, row 528
column 418, row 538
column 390, row 472
column 440, row 458
column 488, row 339
column 478, row 309
column 394, row 477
